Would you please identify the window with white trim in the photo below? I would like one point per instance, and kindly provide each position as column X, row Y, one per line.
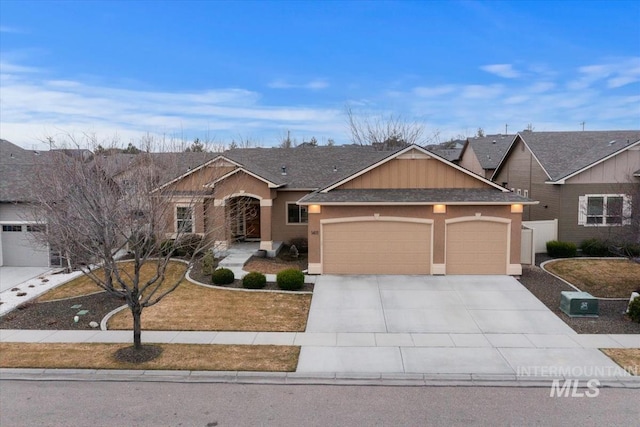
column 184, row 219
column 601, row 210
column 297, row 214
column 12, row 228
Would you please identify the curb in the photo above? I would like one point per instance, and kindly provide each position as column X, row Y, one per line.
column 302, row 378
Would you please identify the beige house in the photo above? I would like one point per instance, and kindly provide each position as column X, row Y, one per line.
column 588, row 181
column 363, row 211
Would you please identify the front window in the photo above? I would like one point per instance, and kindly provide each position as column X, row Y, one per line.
column 603, row 209
column 184, row 219
column 297, row 214
column 12, row 228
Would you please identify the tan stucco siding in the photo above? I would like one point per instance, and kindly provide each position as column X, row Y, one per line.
column 617, row 169
column 420, row 212
column 281, row 231
column 470, row 161
column 414, row 173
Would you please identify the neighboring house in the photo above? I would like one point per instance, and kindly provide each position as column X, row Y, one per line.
column 483, row 154
column 588, row 181
column 18, row 247
column 363, row 211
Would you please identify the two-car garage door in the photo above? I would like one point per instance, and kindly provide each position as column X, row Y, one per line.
column 376, row 247
column 392, row 246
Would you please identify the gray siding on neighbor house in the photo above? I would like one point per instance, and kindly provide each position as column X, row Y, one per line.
column 522, row 172
column 568, row 228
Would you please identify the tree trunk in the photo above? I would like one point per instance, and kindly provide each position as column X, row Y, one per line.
column 136, row 311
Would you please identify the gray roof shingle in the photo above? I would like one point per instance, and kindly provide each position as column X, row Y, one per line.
column 306, row 167
column 421, row 195
column 490, row 149
column 563, row 153
column 17, row 168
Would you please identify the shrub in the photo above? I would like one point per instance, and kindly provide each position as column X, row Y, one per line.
column 223, row 276
column 290, row 279
column 209, row 263
column 142, row 243
column 631, row 250
column 634, row 310
column 557, row 249
column 301, row 243
column 254, row 280
column 167, row 247
column 187, row 245
column 594, row 247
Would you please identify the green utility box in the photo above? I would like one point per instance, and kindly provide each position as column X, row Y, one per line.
column 578, row 304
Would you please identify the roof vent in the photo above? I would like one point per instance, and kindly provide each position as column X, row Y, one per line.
column 284, row 170
column 335, row 168
column 12, row 156
column 493, row 142
column 612, row 142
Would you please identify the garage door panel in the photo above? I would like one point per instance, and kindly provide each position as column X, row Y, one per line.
column 20, row 250
column 376, row 247
column 476, row 247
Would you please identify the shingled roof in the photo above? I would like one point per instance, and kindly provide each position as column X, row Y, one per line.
column 306, row 167
column 489, row 149
column 426, row 196
column 564, row 153
column 17, row 167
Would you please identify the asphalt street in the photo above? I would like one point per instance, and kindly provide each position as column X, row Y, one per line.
column 89, row 403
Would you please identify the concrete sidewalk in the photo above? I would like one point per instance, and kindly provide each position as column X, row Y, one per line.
column 509, row 357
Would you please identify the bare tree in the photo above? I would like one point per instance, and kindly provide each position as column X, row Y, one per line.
column 93, row 213
column 384, row 132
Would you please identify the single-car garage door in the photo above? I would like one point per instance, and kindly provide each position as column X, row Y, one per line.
column 376, row 247
column 477, row 247
column 20, row 250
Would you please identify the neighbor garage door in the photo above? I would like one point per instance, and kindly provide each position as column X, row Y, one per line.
column 476, row 247
column 19, row 250
column 376, row 247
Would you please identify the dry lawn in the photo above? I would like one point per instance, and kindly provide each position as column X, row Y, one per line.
column 83, row 285
column 613, row 278
column 197, row 308
column 627, row 358
column 193, row 357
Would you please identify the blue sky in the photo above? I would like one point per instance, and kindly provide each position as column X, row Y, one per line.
column 228, row 70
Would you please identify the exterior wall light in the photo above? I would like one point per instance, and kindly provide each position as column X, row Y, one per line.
column 517, row 208
column 439, row 208
column 315, row 209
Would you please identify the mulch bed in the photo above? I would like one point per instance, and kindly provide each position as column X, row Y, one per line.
column 59, row 314
column 611, row 318
column 198, row 275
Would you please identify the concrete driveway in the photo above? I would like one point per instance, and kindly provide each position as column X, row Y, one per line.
column 452, row 325
column 429, row 304
column 13, row 276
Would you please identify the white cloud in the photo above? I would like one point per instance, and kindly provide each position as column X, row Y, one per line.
column 312, row 85
column 435, row 91
column 482, row 91
column 41, row 105
column 501, row 70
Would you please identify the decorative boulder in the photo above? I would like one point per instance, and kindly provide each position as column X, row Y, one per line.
column 93, row 324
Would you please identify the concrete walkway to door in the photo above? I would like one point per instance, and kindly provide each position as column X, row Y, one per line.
column 444, row 325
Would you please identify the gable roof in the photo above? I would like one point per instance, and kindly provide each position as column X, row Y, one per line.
column 489, row 149
column 451, row 154
column 405, row 150
column 565, row 154
column 496, row 195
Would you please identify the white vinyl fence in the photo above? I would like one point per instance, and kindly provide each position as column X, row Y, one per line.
column 543, row 231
